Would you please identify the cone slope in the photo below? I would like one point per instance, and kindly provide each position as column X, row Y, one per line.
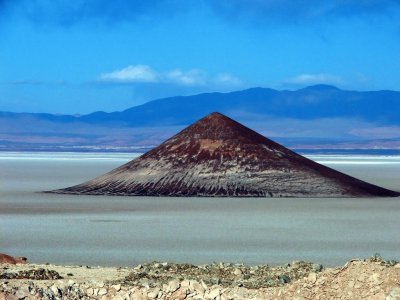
column 217, row 156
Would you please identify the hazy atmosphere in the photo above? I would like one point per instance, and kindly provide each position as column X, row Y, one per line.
column 83, row 56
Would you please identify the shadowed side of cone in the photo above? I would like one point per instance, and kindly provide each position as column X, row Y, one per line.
column 216, row 156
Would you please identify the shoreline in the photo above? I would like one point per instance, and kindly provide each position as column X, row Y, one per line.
column 372, row 278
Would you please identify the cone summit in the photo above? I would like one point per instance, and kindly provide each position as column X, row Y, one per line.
column 217, row 156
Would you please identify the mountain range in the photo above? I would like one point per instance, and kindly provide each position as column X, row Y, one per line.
column 319, row 116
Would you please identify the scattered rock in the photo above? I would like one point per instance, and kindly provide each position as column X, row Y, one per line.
column 237, row 272
column 153, row 294
column 173, row 286
column 90, row 291
column 21, row 294
column 394, row 294
column 35, row 274
column 358, row 279
column 7, row 259
column 71, row 283
column 312, row 277
column 179, row 294
column 102, row 292
column 283, row 279
column 212, row 294
column 225, row 275
column 196, row 286
column 317, row 267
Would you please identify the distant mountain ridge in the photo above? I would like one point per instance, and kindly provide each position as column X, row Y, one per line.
column 312, row 102
column 256, row 107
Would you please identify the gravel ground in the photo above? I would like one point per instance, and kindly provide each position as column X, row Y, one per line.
column 372, row 278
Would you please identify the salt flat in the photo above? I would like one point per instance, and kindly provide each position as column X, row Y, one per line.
column 98, row 230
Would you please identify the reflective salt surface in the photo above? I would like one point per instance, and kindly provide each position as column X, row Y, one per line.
column 97, row 230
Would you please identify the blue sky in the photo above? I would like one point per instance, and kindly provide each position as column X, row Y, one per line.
column 81, row 56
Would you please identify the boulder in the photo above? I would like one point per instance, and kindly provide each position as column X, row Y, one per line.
column 7, row 259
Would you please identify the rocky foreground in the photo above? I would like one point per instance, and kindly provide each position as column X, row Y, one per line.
column 372, row 278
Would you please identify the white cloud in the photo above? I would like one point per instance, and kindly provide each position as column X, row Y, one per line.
column 191, row 78
column 138, row 73
column 320, row 78
column 227, row 79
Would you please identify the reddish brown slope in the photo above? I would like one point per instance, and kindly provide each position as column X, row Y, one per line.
column 217, row 156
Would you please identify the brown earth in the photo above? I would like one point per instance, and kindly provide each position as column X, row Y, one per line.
column 373, row 278
column 7, row 259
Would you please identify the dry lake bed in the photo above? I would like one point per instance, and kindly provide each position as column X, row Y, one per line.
column 113, row 231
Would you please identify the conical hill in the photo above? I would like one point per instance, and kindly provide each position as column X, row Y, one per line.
column 216, row 156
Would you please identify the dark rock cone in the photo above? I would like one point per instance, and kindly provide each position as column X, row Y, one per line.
column 217, row 156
